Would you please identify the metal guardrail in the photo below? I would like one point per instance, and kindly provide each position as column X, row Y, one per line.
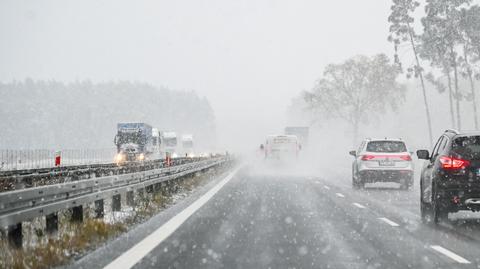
column 21, row 205
column 19, row 179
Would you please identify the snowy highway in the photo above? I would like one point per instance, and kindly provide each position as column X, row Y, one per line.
column 255, row 218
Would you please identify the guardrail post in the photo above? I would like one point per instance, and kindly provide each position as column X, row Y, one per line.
column 116, row 202
column 77, row 213
column 51, row 222
column 149, row 189
column 15, row 235
column 99, row 209
column 130, row 198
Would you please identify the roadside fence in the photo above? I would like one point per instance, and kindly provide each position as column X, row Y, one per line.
column 45, row 158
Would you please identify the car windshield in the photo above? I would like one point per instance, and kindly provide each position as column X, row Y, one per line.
column 239, row 134
column 467, row 147
column 386, row 146
column 134, row 137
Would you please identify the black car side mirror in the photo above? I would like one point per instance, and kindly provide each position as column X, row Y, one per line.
column 423, row 154
column 353, row 153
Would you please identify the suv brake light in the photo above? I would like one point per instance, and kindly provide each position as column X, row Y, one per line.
column 367, row 157
column 406, row 157
column 450, row 163
column 371, row 157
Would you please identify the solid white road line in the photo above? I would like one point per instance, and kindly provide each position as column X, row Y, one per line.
column 340, row 195
column 450, row 254
column 326, row 187
column 389, row 222
column 358, row 205
column 140, row 250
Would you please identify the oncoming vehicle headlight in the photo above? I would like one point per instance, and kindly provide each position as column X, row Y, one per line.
column 191, row 155
column 119, row 157
column 141, row 157
column 174, row 155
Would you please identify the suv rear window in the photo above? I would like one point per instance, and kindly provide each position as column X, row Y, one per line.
column 386, row 146
column 467, row 147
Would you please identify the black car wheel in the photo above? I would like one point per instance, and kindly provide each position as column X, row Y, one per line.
column 439, row 213
column 425, row 209
column 425, row 212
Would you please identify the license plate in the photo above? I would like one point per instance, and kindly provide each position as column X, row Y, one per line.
column 386, row 163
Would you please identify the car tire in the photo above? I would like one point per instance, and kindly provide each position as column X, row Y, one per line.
column 426, row 212
column 439, row 214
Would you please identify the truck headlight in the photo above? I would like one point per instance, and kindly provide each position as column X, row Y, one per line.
column 119, row 157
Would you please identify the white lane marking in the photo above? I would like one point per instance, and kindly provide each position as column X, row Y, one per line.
column 389, row 222
column 129, row 258
column 450, row 254
column 340, row 195
column 326, row 187
column 358, row 205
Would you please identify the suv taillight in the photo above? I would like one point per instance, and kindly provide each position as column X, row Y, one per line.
column 367, row 157
column 451, row 163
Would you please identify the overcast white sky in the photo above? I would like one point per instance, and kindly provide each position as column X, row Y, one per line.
column 249, row 58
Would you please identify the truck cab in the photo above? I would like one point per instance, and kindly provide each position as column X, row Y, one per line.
column 170, row 144
column 188, row 146
column 133, row 141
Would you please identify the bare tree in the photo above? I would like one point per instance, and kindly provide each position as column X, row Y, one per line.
column 356, row 90
column 444, row 17
column 470, row 29
column 434, row 49
column 401, row 30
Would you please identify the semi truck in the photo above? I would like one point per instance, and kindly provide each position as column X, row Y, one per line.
column 187, row 145
column 157, row 144
column 134, row 142
column 170, row 144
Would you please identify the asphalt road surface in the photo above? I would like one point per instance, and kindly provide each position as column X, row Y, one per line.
column 266, row 218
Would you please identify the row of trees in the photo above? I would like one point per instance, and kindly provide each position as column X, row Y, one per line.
column 449, row 42
column 82, row 114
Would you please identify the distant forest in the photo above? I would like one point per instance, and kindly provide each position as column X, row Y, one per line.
column 82, row 114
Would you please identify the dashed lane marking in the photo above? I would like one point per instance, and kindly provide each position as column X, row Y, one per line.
column 326, row 187
column 389, row 222
column 450, row 254
column 358, row 205
column 340, row 195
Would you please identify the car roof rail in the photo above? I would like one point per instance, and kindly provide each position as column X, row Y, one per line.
column 452, row 131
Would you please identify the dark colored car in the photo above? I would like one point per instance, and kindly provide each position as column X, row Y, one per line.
column 450, row 178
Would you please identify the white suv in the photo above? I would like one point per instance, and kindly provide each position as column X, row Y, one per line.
column 382, row 160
